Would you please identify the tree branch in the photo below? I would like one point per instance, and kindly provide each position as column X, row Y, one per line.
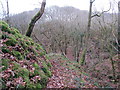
column 99, row 15
column 92, row 1
column 35, row 18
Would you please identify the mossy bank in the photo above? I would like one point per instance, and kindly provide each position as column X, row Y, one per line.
column 23, row 62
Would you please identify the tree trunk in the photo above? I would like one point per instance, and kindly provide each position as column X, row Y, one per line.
column 8, row 13
column 113, row 68
column 35, row 19
column 66, row 44
column 89, row 17
column 118, row 25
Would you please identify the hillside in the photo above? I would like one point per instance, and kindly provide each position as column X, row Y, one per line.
column 61, row 46
column 67, row 14
column 25, row 65
column 23, row 62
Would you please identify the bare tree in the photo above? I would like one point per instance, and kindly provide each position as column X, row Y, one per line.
column 94, row 15
column 7, row 11
column 119, row 25
column 36, row 18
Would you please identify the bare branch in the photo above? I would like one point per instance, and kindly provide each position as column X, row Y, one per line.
column 98, row 15
column 92, row 1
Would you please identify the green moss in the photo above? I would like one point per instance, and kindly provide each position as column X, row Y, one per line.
column 36, row 72
column 43, row 82
column 14, row 37
column 23, row 72
column 38, row 47
column 11, row 42
column 32, row 43
column 31, row 86
column 0, row 34
column 28, row 42
column 12, row 32
column 5, row 29
column 44, row 64
column 82, row 59
column 36, row 66
column 42, row 74
column 47, row 72
column 5, row 50
column 3, row 23
column 16, row 31
column 44, row 78
column 5, row 63
column 46, row 69
column 49, row 64
column 17, row 55
column 31, row 49
column 4, row 36
column 24, row 45
column 47, row 57
column 17, row 35
column 2, row 85
column 26, row 79
column 16, row 66
column 42, row 53
column 21, row 87
column 38, row 85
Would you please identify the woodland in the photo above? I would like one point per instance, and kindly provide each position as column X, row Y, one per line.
column 60, row 47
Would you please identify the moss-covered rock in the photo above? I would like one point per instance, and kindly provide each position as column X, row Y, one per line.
column 47, row 72
column 23, row 72
column 16, row 66
column 38, row 86
column 18, row 55
column 5, row 28
column 24, row 57
column 4, row 36
column 49, row 64
column 36, row 66
column 2, row 23
column 5, row 63
column 46, row 69
column 5, row 50
column 11, row 41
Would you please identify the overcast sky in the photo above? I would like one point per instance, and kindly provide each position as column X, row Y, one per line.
column 18, row 6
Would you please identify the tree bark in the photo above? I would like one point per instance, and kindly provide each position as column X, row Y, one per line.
column 35, row 19
column 118, row 26
column 89, row 22
column 66, row 45
column 89, row 17
column 7, row 12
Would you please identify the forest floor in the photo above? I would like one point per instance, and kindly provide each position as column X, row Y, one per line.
column 69, row 74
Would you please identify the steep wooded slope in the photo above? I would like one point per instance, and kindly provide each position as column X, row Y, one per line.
column 23, row 64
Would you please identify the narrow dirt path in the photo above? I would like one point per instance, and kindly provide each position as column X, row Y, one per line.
column 62, row 77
